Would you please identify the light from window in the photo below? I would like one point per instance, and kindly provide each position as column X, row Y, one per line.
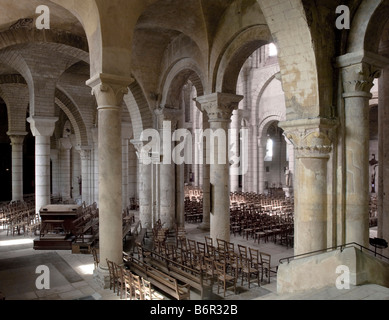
column 269, row 150
column 272, row 50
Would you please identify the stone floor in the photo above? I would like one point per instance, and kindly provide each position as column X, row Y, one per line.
column 71, row 275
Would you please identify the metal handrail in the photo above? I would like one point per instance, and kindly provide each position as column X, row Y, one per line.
column 342, row 247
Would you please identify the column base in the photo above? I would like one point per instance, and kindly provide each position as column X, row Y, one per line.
column 101, row 277
column 205, row 226
column 288, row 192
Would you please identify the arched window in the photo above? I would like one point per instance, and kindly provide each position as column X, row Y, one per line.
column 269, row 150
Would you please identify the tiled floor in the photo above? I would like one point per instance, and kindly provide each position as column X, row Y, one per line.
column 71, row 275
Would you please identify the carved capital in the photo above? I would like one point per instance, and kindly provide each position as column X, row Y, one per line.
column 85, row 153
column 42, row 126
column 65, row 143
column 17, row 138
column 359, row 69
column 219, row 106
column 167, row 114
column 311, row 138
column 359, row 78
column 109, row 90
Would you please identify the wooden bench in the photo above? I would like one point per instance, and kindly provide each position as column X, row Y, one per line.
column 159, row 279
column 86, row 232
column 181, row 272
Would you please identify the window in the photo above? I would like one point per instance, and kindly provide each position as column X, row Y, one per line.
column 269, row 150
column 272, row 50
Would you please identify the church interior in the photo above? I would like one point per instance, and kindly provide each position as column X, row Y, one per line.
column 194, row 150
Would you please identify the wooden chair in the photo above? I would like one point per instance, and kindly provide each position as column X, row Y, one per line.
column 124, row 285
column 260, row 233
column 142, row 254
column 95, row 257
column 201, row 248
column 192, row 246
column 209, row 272
column 266, row 265
column 247, row 271
column 208, row 241
column 137, row 287
column 242, row 251
column 148, row 291
column 223, row 278
column 255, row 259
column 112, row 278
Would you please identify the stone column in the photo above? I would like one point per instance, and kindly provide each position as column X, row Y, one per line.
column 312, row 139
column 75, row 170
column 85, row 155
column 167, row 122
column 126, row 134
column 132, row 172
column 358, row 76
column 383, row 159
column 42, row 129
column 17, row 139
column 235, row 125
column 65, row 147
column 219, row 107
column 95, row 166
column 205, row 225
column 54, row 156
column 254, row 160
column 261, row 165
column 144, row 187
column 109, row 91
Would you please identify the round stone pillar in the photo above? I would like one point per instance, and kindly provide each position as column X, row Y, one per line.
column 109, row 91
column 65, row 148
column 312, row 139
column 144, row 187
column 42, row 129
column 167, row 122
column 357, row 82
column 261, row 167
column 17, row 140
column 205, row 225
column 383, row 158
column 219, row 108
column 85, row 155
column 126, row 134
column 55, row 180
column 95, row 166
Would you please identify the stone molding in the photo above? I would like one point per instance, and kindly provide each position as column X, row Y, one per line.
column 219, row 106
column 311, row 138
column 109, row 90
column 42, row 126
column 65, row 143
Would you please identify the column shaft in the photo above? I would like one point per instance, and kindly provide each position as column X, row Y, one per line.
column 17, row 167
column 110, row 183
column 42, row 171
column 357, row 161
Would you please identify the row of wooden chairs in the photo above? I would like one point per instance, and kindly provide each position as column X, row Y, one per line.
column 248, row 264
column 128, row 285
